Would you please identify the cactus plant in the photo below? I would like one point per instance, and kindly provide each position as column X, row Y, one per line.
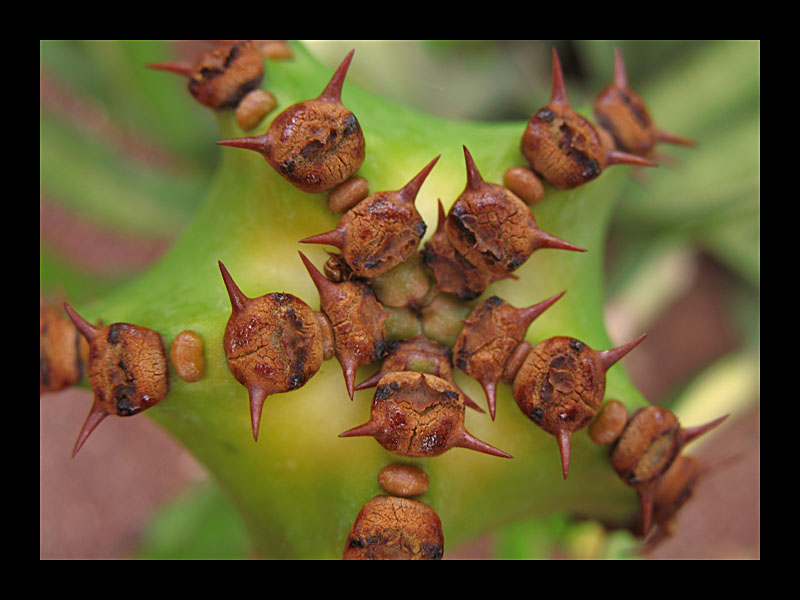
column 300, row 486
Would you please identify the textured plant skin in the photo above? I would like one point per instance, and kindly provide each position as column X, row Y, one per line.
column 301, row 486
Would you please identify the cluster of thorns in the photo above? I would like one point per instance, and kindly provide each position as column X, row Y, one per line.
column 276, row 342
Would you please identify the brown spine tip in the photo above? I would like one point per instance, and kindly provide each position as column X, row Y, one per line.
column 615, row 157
column 96, row 415
column 88, row 330
column 469, row 441
column 546, row 240
column 238, row 300
column 527, row 315
column 367, row 429
column 490, row 389
column 646, row 498
column 333, row 91
column 609, row 357
column 328, row 292
column 411, row 189
column 564, row 439
column 257, row 399
column 559, row 95
column 442, row 218
column 370, row 381
column 474, row 178
column 180, row 68
column 692, row 433
column 469, row 401
column 334, row 237
column 258, row 144
column 671, row 138
column 620, row 74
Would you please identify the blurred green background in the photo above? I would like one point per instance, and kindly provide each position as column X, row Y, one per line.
column 686, row 232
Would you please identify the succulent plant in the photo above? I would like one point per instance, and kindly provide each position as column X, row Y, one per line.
column 300, row 486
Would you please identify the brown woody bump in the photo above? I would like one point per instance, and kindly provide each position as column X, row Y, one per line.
column 127, row 370
column 222, row 76
column 391, row 528
column 273, row 344
column 403, row 480
column 347, row 194
column 186, row 356
column 488, row 338
column 357, row 319
column 316, row 144
column 563, row 147
column 492, row 228
column 623, row 113
column 525, row 184
column 63, row 351
column 381, row 231
column 561, row 385
column 420, row 415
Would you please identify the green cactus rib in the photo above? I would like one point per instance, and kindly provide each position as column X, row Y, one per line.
column 300, row 486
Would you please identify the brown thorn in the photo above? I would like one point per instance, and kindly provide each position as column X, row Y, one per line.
column 411, row 189
column 474, row 178
column 257, row 399
column 527, row 315
column 442, row 218
column 88, row 330
column 349, row 368
column 546, row 240
column 671, row 138
column 620, row 74
column 490, row 389
column 469, row 441
column 370, row 381
column 96, row 415
column 257, row 144
column 609, row 357
column 615, row 157
column 468, row 401
column 559, row 95
column 367, row 429
column 334, row 237
column 333, row 91
column 692, row 433
column 328, row 292
column 564, row 439
column 646, row 497
column 238, row 300
column 181, row 68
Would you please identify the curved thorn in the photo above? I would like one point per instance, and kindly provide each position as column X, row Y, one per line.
column 490, row 389
column 333, row 91
column 468, row 401
column 610, row 357
column 328, row 291
column 257, row 399
column 615, row 157
column 646, row 497
column 527, row 315
column 409, row 192
column 370, row 381
column 238, row 300
column 88, row 330
column 257, row 144
column 692, row 433
column 546, row 240
column 559, row 95
column 442, row 217
column 469, row 441
column 366, row 429
column 96, row 415
column 474, row 178
column 349, row 368
column 620, row 74
column 564, row 439
column 334, row 237
column 671, row 138
column 181, row 68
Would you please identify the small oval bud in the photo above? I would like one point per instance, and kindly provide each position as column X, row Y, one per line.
column 609, row 423
column 253, row 108
column 525, row 184
column 347, row 194
column 63, row 351
column 186, row 356
column 403, row 480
